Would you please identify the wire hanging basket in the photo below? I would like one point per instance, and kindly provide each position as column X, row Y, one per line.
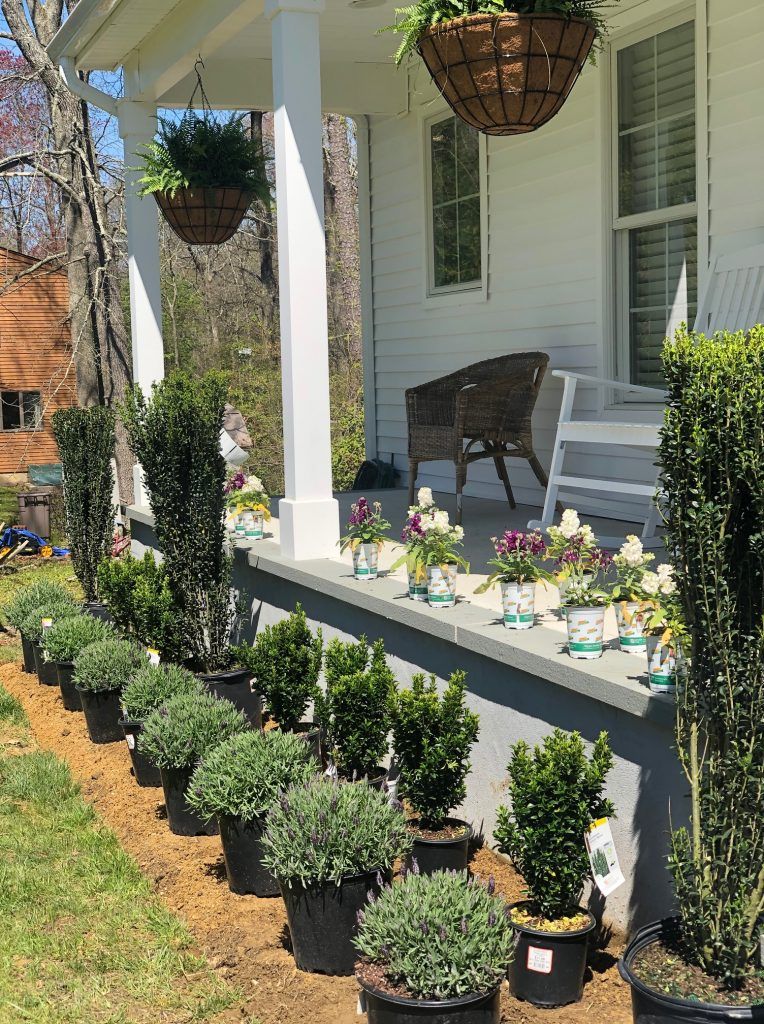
column 507, row 74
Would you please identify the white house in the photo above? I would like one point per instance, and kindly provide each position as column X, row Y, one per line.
column 589, row 239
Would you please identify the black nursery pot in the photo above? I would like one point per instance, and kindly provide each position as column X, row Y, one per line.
column 476, row 1009
column 651, row 1007
column 447, row 854
column 181, row 819
column 46, row 670
column 145, row 772
column 27, row 652
column 243, row 855
column 548, row 967
column 102, row 714
column 323, row 921
column 311, row 733
column 69, row 694
column 98, row 610
column 236, row 686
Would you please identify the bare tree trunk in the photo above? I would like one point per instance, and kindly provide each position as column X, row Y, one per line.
column 343, row 253
column 261, row 127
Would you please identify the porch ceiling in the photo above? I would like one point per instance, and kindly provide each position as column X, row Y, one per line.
column 158, row 41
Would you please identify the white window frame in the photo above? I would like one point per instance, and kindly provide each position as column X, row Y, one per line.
column 618, row 355
column 452, row 294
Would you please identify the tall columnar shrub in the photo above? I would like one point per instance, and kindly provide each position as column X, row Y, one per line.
column 175, row 435
column 85, row 439
column 712, row 457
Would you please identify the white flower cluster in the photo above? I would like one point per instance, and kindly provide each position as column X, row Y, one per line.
column 424, row 497
column 632, row 554
column 570, row 527
column 437, row 523
column 659, row 582
column 254, row 483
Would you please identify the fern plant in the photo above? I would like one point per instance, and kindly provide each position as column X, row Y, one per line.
column 204, row 152
column 411, row 22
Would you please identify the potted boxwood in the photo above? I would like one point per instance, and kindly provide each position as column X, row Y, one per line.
column 704, row 964
column 85, row 440
column 285, row 662
column 355, row 710
column 175, row 737
column 100, row 671
column 25, row 600
column 34, row 627
column 516, row 568
column 150, row 688
column 555, row 793
column 238, row 783
column 64, row 641
column 504, row 67
column 367, row 532
column 140, row 601
column 432, row 739
column 434, row 947
column 330, row 845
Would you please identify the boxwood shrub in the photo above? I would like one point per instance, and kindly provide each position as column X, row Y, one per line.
column 72, row 634
column 248, row 773
column 107, row 664
column 26, row 599
column 184, row 729
column 153, row 685
column 323, row 831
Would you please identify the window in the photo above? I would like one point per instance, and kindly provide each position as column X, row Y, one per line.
column 455, row 205
column 656, row 204
column 20, row 410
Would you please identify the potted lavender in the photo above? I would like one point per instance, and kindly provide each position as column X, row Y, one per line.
column 412, row 536
column 367, row 532
column 517, row 570
column 248, row 505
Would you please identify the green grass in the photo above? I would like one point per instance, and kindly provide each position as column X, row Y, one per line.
column 83, row 939
column 9, row 505
column 21, row 573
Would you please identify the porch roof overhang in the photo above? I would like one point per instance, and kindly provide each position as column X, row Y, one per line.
column 158, row 41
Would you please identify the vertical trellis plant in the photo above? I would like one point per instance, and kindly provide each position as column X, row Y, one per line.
column 85, row 439
column 712, row 453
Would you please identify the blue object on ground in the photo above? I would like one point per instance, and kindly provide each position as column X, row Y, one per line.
column 14, row 535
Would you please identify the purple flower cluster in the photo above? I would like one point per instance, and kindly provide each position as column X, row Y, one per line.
column 413, row 531
column 360, row 513
column 236, row 483
column 513, row 542
column 594, row 559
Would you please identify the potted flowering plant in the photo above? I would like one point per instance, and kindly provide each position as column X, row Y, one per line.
column 412, row 536
column 517, row 570
column 248, row 505
column 433, row 543
column 585, row 603
column 571, row 544
column 665, row 630
column 637, row 592
column 367, row 532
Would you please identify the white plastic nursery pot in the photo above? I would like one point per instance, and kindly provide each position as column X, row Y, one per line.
column 365, row 561
column 661, row 665
column 631, row 627
column 586, row 627
column 441, row 585
column 254, row 526
column 518, row 603
column 417, row 587
column 239, row 525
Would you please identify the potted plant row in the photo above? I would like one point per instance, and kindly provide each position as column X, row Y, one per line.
column 64, row 641
column 100, row 672
column 24, row 601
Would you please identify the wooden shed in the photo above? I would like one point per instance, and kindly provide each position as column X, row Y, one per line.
column 37, row 374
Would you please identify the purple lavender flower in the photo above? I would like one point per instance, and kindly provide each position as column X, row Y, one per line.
column 491, row 885
column 442, row 934
column 491, row 919
column 463, row 926
column 414, row 866
column 424, row 928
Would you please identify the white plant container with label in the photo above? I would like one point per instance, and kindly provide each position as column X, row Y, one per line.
column 365, row 561
column 518, row 603
column 239, row 526
column 631, row 617
column 586, row 627
column 417, row 586
column 441, row 585
column 254, row 527
column 661, row 665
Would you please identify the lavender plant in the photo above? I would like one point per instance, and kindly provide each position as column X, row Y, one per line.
column 439, row 936
column 153, row 685
column 26, row 599
column 184, row 729
column 30, row 625
column 107, row 664
column 70, row 635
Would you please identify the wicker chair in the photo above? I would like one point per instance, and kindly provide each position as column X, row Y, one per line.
column 489, row 405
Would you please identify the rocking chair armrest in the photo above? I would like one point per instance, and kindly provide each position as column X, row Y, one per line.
column 657, row 394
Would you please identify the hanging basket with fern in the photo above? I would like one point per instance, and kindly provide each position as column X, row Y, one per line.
column 204, row 172
column 504, row 68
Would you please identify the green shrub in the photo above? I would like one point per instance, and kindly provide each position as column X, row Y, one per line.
column 85, row 439
column 184, row 729
column 31, row 625
column 70, row 635
column 285, row 660
column 248, row 773
column 712, row 459
column 355, row 711
column 432, row 739
column 138, row 593
column 107, row 664
column 439, row 936
column 153, row 685
column 26, row 599
column 324, row 831
column 555, row 793
column 175, row 435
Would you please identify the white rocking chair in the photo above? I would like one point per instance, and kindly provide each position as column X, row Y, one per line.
column 733, row 300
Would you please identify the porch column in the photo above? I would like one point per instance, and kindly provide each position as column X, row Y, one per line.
column 308, row 514
column 137, row 126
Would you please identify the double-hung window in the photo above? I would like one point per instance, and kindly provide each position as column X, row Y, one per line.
column 20, row 410
column 655, row 224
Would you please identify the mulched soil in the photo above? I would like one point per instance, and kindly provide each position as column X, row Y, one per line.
column 661, row 968
column 245, row 938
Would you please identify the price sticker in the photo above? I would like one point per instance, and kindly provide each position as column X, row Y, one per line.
column 606, row 871
column 46, row 624
column 539, row 960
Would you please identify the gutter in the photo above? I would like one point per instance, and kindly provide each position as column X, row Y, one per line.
column 84, row 89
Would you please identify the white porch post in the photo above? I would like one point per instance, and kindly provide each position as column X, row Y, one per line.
column 137, row 126
column 308, row 515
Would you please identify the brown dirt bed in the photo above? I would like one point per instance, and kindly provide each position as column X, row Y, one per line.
column 242, row 936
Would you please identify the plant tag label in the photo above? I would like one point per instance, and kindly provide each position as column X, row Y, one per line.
column 606, row 871
column 153, row 655
column 361, row 1004
column 331, row 771
column 46, row 624
column 130, row 741
column 540, row 960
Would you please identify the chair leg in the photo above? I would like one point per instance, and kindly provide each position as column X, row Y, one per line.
column 413, row 470
column 542, row 478
column 461, row 480
column 501, row 469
